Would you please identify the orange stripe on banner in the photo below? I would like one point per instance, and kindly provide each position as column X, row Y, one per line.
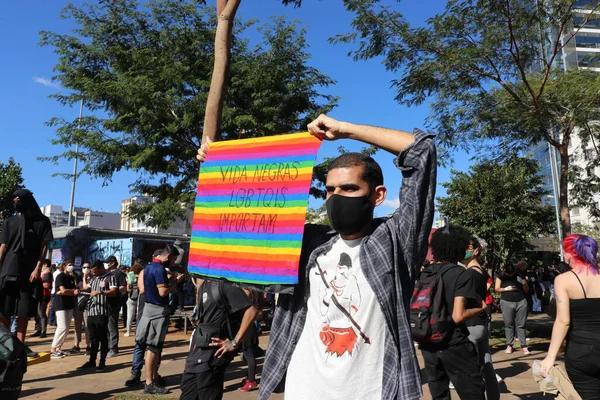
column 280, row 146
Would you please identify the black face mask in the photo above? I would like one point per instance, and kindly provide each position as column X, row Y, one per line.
column 20, row 207
column 349, row 215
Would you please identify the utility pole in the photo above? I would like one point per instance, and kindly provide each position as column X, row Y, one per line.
column 71, row 211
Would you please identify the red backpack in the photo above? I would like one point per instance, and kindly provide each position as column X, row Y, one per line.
column 430, row 321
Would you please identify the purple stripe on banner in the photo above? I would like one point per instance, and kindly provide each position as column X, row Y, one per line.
column 216, row 267
column 284, row 155
column 299, row 230
column 291, row 190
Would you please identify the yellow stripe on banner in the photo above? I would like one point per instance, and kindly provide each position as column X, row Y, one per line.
column 250, row 175
column 245, row 249
column 272, row 140
column 250, row 210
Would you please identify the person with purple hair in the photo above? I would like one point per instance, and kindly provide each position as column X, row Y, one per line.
column 578, row 301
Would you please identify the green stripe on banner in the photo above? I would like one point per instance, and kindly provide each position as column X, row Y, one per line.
column 253, row 167
column 225, row 204
column 294, row 244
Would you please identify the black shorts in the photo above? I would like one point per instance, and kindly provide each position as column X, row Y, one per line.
column 16, row 298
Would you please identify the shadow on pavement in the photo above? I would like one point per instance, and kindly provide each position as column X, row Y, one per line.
column 31, row 392
column 536, row 396
column 515, row 369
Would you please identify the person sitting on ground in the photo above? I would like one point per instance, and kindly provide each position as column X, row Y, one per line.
column 102, row 286
column 454, row 359
column 578, row 301
column 513, row 303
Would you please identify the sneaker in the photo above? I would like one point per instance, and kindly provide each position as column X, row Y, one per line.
column 57, row 354
column 112, row 353
column 248, row 386
column 75, row 350
column 127, row 334
column 525, row 351
column 509, row 349
column 499, row 378
column 88, row 351
column 30, row 353
column 133, row 380
column 161, row 381
column 153, row 388
column 87, row 365
column 101, row 366
column 43, row 335
column 36, row 334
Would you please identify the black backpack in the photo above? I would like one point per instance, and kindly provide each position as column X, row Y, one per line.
column 430, row 321
column 13, row 364
column 134, row 291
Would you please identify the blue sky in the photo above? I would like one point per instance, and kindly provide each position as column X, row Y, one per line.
column 26, row 68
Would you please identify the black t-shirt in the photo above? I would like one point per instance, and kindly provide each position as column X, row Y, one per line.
column 507, row 280
column 480, row 285
column 120, row 298
column 22, row 263
column 64, row 302
column 233, row 301
column 458, row 282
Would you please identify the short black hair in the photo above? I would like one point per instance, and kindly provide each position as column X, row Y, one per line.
column 448, row 244
column 510, row 269
column 372, row 173
column 97, row 263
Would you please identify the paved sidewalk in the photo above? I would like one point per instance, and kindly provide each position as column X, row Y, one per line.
column 58, row 379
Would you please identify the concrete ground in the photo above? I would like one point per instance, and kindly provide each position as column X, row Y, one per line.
column 58, row 379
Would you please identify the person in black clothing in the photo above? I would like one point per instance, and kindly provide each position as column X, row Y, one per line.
column 221, row 308
column 23, row 246
column 513, row 303
column 115, row 304
column 66, row 294
column 455, row 359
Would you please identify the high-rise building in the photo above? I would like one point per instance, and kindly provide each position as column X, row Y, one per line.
column 179, row 226
column 81, row 217
column 582, row 52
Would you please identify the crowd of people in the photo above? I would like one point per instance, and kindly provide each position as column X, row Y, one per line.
column 353, row 325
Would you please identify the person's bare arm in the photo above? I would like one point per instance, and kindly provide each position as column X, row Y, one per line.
column 2, row 251
column 68, row 292
column 38, row 268
column 110, row 292
column 461, row 314
column 392, row 140
column 561, row 325
column 164, row 290
column 141, row 282
column 226, row 345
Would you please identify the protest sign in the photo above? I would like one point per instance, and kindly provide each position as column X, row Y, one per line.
column 251, row 209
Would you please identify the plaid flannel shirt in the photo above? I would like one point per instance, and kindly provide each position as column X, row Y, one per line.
column 390, row 258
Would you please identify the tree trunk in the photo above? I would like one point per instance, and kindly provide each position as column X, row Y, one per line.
column 218, row 83
column 565, row 216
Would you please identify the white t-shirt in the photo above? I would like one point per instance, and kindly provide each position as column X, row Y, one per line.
column 341, row 348
column 54, row 275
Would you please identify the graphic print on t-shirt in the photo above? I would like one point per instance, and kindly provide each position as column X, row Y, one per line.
column 340, row 294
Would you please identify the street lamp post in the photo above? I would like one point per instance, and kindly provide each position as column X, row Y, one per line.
column 71, row 211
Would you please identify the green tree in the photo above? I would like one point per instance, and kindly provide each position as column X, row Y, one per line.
column 144, row 73
column 10, row 180
column 493, row 73
column 500, row 202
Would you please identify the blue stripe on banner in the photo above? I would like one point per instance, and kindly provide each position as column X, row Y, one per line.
column 256, row 197
column 259, row 161
column 244, row 235
column 242, row 276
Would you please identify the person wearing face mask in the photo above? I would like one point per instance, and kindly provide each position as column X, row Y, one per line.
column 359, row 344
column 513, row 302
column 79, row 316
column 23, row 247
column 478, row 326
column 64, row 304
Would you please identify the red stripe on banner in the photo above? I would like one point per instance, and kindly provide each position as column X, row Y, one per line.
column 246, row 262
column 241, row 256
column 212, row 219
column 293, row 145
column 206, row 186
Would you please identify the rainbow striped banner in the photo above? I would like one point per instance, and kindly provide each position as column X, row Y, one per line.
column 251, row 209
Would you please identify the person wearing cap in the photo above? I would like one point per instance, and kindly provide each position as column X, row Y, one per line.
column 115, row 303
column 23, row 247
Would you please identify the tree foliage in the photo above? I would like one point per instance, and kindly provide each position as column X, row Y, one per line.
column 500, row 202
column 10, row 180
column 493, row 72
column 144, row 73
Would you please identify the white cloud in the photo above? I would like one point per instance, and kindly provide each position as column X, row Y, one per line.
column 46, row 82
column 391, row 203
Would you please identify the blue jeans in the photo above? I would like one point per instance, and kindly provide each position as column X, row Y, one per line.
column 138, row 358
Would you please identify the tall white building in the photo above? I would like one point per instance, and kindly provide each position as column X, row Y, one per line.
column 583, row 52
column 179, row 226
column 82, row 217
